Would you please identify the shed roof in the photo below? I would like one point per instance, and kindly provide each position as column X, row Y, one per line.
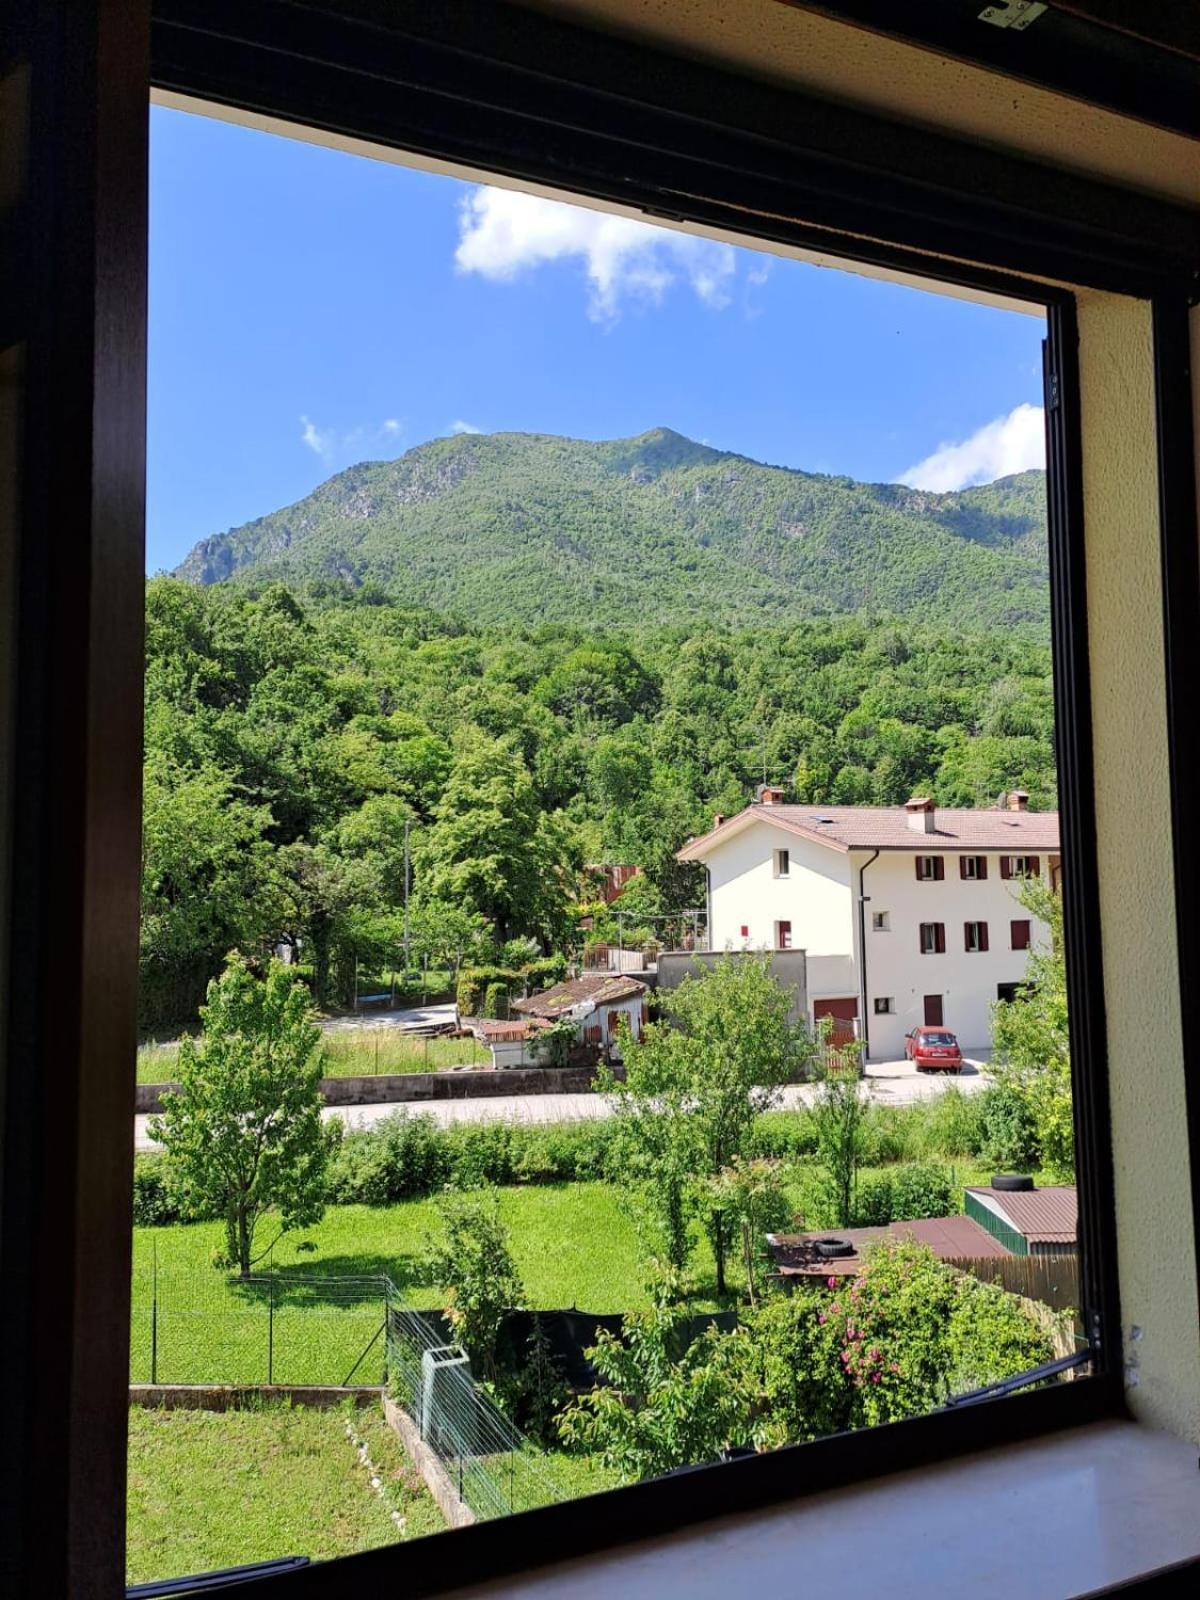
column 1041, row 1216
column 601, row 988
column 950, row 1238
column 846, row 828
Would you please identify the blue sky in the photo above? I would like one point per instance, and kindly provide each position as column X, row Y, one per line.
column 310, row 309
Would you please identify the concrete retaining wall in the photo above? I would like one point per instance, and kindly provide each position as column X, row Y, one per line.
column 232, row 1397
column 413, row 1087
column 437, row 1480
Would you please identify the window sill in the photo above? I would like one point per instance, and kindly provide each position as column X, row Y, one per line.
column 1062, row 1515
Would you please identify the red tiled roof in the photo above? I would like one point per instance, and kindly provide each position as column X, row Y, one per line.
column 1041, row 1216
column 950, row 1238
column 887, row 828
column 599, row 987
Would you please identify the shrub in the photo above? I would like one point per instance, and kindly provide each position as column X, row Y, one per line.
column 544, row 972
column 402, row 1158
column 890, row 1133
column 468, row 995
column 873, row 1200
column 154, row 1201
column 951, row 1124
column 921, row 1190
column 1007, row 1131
column 479, row 1153
column 474, row 1265
column 784, row 1135
column 495, row 1000
column 992, row 1336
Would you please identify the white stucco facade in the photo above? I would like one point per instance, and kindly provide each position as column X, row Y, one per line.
column 817, row 900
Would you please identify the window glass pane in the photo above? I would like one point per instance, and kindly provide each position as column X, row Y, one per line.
column 525, row 611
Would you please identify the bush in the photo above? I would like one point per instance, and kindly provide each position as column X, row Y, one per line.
column 495, row 1000
column 467, row 996
column 1007, row 1131
column 154, row 1201
column 544, row 972
column 921, row 1190
column 873, row 1206
column 784, row 1136
column 403, row 1157
column 951, row 1124
column 992, row 1337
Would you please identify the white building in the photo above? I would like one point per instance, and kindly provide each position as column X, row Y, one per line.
column 908, row 914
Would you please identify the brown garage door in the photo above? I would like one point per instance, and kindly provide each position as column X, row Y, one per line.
column 844, row 1014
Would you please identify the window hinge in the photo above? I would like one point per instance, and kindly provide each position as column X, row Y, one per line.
column 1052, row 396
column 1016, row 14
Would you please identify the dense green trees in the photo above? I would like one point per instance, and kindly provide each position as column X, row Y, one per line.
column 294, row 738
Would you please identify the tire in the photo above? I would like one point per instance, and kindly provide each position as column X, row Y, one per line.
column 1012, row 1183
column 833, row 1249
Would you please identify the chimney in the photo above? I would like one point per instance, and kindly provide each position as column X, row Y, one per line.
column 767, row 796
column 1018, row 800
column 919, row 812
column 718, row 818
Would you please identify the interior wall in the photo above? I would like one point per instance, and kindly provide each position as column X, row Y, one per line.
column 1160, row 1310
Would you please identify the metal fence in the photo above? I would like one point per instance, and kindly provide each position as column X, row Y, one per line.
column 493, row 1467
column 277, row 1327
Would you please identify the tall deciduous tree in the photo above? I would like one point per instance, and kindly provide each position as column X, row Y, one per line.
column 244, row 1133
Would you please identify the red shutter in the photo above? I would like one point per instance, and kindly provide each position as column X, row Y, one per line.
column 917, row 864
column 940, row 935
column 1006, row 866
column 981, row 870
column 1020, row 935
column 966, row 935
column 983, row 939
column 939, row 868
column 1034, row 866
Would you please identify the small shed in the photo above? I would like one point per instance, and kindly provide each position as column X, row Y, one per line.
column 1027, row 1221
column 597, row 1003
column 955, row 1240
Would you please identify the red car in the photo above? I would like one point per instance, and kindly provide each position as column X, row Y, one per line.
column 933, row 1050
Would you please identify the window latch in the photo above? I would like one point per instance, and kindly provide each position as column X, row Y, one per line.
column 1016, row 14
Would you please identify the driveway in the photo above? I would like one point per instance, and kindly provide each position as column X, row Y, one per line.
column 895, row 1083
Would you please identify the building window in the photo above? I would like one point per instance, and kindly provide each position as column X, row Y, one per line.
column 879, row 922
column 933, row 938
column 782, row 863
column 745, row 930
column 1020, row 934
column 975, row 938
column 783, row 936
column 973, row 868
column 1020, row 866
column 1008, row 992
column 930, row 869
column 885, row 1006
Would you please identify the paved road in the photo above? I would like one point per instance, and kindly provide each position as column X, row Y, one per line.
column 888, row 1082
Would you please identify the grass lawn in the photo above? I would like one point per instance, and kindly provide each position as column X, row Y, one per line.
column 213, row 1489
column 353, row 1053
column 574, row 1244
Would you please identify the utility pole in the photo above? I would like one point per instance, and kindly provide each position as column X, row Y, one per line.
column 407, row 888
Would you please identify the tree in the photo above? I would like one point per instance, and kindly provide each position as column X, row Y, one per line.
column 1032, row 1039
column 326, row 896
column 490, row 848
column 473, row 1264
column 750, row 1196
column 840, row 1114
column 244, row 1134
column 694, row 1085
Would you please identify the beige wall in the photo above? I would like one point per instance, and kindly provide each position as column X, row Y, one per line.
column 1156, row 1256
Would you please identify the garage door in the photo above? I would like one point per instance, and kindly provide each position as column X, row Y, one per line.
column 844, row 1014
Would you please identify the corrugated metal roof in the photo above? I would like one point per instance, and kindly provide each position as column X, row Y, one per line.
column 1041, row 1216
column 950, row 1239
column 887, row 828
column 599, row 987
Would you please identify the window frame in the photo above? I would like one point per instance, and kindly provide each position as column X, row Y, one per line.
column 1020, row 922
column 937, row 946
column 980, row 936
column 937, row 869
column 617, row 122
column 782, row 863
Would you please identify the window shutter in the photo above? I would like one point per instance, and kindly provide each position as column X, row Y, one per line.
column 939, row 929
column 1006, row 866
column 982, row 867
column 917, row 865
column 1035, row 866
column 962, row 866
column 921, row 938
column 983, row 939
column 939, row 868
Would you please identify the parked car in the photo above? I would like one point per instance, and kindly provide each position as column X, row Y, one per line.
column 933, row 1050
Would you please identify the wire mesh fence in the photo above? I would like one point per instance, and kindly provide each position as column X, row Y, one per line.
column 276, row 1327
column 493, row 1467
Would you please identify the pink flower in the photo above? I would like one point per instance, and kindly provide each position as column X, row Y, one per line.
column 835, row 1308
column 821, row 1317
column 874, row 1377
column 873, row 1352
column 831, row 1283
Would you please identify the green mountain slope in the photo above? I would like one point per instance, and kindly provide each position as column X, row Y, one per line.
column 530, row 528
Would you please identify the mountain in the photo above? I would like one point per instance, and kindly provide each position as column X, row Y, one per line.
column 530, row 528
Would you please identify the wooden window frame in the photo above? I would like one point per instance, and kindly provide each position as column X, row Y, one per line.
column 980, row 935
column 544, row 102
column 938, row 932
column 937, row 869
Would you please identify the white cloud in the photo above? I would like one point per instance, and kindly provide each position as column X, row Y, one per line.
column 319, row 440
column 328, row 443
column 503, row 233
column 1008, row 444
column 463, row 427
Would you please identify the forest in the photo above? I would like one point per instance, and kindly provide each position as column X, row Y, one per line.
column 304, row 741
